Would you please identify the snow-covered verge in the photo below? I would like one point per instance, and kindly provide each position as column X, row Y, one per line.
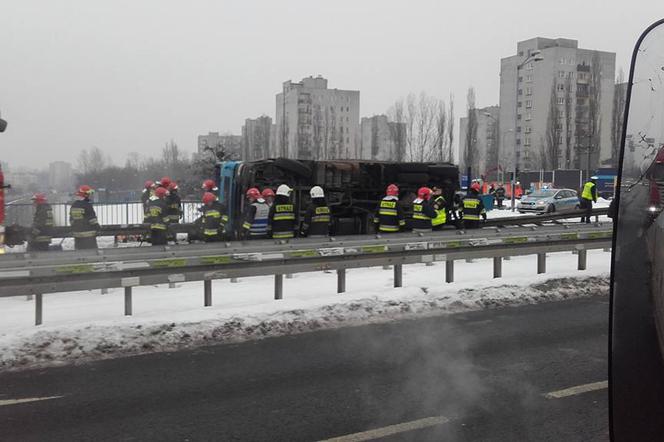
column 86, row 326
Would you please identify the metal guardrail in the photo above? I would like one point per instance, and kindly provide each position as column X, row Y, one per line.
column 51, row 272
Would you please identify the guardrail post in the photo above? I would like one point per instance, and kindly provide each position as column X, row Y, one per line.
column 541, row 263
column 497, row 267
column 171, row 285
column 207, row 292
column 398, row 275
column 449, row 270
column 128, row 309
column 278, row 286
column 582, row 259
column 38, row 309
column 104, row 291
column 341, row 280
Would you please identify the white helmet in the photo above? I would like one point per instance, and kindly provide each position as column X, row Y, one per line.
column 317, row 192
column 284, row 190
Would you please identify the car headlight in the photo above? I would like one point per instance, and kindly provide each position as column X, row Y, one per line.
column 652, row 209
column 540, row 203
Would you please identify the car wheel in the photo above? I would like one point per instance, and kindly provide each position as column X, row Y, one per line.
column 551, row 208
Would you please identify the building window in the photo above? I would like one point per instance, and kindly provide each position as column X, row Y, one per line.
column 347, row 140
column 518, row 116
column 561, row 87
column 529, row 91
column 347, row 109
column 528, row 129
column 561, row 100
column 526, row 142
column 518, row 129
column 529, row 104
column 520, row 92
column 529, row 66
column 518, row 104
column 529, row 116
column 518, row 143
column 529, row 78
column 520, row 79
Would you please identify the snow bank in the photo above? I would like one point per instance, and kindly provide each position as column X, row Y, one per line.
column 309, row 309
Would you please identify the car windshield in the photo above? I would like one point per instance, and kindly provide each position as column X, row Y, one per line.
column 542, row 194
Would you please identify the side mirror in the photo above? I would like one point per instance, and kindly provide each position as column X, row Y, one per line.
column 3, row 125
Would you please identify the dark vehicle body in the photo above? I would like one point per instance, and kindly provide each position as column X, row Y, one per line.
column 352, row 187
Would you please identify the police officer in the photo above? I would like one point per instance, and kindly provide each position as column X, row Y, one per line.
column 500, row 195
column 173, row 204
column 473, row 208
column 42, row 224
column 588, row 197
column 318, row 218
column 148, row 190
column 440, row 206
column 255, row 216
column 389, row 215
column 212, row 215
column 281, row 220
column 423, row 211
column 83, row 220
column 157, row 216
column 268, row 196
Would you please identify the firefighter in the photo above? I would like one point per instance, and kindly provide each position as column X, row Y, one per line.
column 173, row 203
column 157, row 217
column 42, row 224
column 423, row 211
column 212, row 218
column 164, row 182
column 389, row 215
column 318, row 219
column 83, row 220
column 268, row 196
column 441, row 208
column 588, row 197
column 148, row 191
column 255, row 216
column 500, row 196
column 209, row 186
column 281, row 220
column 473, row 208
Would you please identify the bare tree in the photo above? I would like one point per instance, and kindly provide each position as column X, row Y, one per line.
column 567, row 118
column 551, row 145
column 442, row 153
column 92, row 160
column 617, row 117
column 450, row 127
column 470, row 151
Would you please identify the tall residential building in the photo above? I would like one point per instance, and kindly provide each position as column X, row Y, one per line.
column 382, row 139
column 575, row 86
column 232, row 144
column 256, row 138
column 60, row 176
column 484, row 159
column 314, row 122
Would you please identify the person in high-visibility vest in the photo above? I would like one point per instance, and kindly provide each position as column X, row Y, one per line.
column 473, row 208
column 588, row 197
column 389, row 216
column 440, row 206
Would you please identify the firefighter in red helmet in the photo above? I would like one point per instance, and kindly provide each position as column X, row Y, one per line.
column 389, row 216
column 268, row 195
column 473, row 208
column 42, row 224
column 255, row 216
column 157, row 217
column 212, row 222
column 148, row 191
column 423, row 211
column 83, row 219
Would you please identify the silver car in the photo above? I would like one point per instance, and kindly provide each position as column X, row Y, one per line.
column 549, row 201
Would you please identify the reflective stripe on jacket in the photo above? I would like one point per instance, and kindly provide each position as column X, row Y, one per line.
column 589, row 191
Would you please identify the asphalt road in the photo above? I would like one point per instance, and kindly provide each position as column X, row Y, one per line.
column 481, row 375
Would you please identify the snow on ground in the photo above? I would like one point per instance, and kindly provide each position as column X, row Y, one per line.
column 82, row 326
column 507, row 212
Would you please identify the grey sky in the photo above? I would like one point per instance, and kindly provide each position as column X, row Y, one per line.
column 130, row 75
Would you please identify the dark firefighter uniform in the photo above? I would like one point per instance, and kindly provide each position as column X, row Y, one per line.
column 500, row 196
column 281, row 220
column 173, row 207
column 389, row 215
column 473, row 210
column 214, row 221
column 423, row 214
column 588, row 197
column 42, row 226
column 255, row 218
column 156, row 216
column 317, row 219
column 145, row 198
column 84, row 224
column 440, row 206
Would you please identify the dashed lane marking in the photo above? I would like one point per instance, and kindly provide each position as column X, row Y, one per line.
column 5, row 402
column 391, row 430
column 579, row 389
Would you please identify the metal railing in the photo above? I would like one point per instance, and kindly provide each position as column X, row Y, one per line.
column 52, row 272
column 107, row 213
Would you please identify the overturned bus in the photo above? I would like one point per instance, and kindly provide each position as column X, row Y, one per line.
column 352, row 187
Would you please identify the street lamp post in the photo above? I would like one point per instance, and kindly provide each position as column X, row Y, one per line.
column 533, row 56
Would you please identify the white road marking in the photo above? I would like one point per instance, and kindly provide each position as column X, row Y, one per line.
column 4, row 402
column 579, row 389
column 391, row 430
